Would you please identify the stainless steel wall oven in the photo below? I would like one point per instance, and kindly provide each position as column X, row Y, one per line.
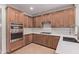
column 16, row 31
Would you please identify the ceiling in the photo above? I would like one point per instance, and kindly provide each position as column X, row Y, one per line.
column 38, row 8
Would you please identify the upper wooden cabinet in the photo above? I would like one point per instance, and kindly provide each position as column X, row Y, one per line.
column 10, row 14
column 60, row 19
column 37, row 21
column 14, row 15
column 25, row 21
column 28, row 22
column 69, row 17
column 64, row 18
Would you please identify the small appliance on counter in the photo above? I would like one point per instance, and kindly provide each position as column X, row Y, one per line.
column 16, row 31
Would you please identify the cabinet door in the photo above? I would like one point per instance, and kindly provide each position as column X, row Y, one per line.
column 45, row 17
column 30, row 22
column 37, row 38
column 44, row 39
column 21, row 18
column 28, row 39
column 69, row 17
column 17, row 16
column 34, row 38
column 25, row 21
column 38, row 23
column 11, row 14
column 16, row 45
column 58, row 19
column 55, row 41
column 52, row 41
column 40, row 39
column 64, row 18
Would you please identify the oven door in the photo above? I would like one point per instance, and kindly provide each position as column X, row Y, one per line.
column 16, row 35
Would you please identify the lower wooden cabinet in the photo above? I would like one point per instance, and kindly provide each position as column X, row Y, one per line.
column 37, row 38
column 46, row 40
column 52, row 41
column 27, row 39
column 16, row 45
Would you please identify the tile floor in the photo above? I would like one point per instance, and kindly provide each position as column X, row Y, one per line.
column 34, row 49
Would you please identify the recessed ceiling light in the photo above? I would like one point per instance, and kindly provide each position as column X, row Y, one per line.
column 31, row 8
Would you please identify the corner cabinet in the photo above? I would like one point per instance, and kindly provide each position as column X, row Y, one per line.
column 46, row 40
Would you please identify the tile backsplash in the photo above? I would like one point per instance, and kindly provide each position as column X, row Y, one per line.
column 52, row 30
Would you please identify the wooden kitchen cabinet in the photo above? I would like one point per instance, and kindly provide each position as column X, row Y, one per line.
column 37, row 21
column 17, row 16
column 37, row 38
column 52, row 41
column 40, row 39
column 21, row 18
column 16, row 45
column 55, row 41
column 28, row 22
column 10, row 14
column 14, row 15
column 64, row 18
column 25, row 21
column 27, row 39
column 46, row 40
column 69, row 17
column 59, row 19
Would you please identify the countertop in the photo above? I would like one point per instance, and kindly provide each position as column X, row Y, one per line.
column 55, row 34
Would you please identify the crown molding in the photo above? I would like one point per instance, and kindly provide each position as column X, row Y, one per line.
column 53, row 10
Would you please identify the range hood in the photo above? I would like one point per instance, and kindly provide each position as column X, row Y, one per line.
column 46, row 24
